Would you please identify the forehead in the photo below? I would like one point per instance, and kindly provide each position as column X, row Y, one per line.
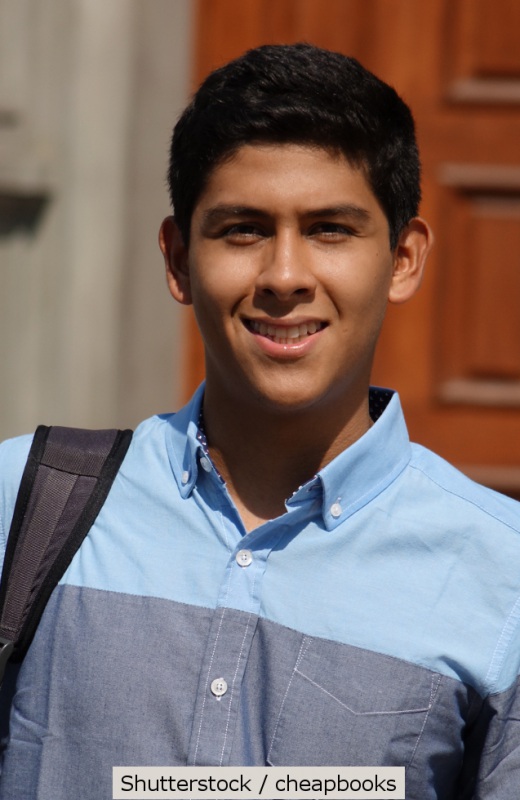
column 286, row 175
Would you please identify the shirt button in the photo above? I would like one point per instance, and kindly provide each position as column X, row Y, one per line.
column 218, row 687
column 244, row 558
column 205, row 463
column 335, row 510
column 185, row 477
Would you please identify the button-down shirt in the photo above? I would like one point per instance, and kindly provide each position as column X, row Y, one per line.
column 376, row 622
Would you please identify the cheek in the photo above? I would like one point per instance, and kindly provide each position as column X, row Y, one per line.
column 219, row 275
column 215, row 299
column 362, row 290
column 362, row 300
column 219, row 300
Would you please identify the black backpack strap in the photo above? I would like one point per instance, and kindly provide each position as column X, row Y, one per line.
column 66, row 480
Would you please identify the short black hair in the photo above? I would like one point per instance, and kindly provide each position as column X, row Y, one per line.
column 298, row 94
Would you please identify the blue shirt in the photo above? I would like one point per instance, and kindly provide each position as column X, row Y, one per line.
column 376, row 622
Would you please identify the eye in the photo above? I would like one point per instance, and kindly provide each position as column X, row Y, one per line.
column 331, row 231
column 243, row 233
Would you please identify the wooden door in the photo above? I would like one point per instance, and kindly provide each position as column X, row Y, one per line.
column 454, row 351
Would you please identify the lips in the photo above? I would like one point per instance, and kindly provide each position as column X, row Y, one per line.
column 285, row 334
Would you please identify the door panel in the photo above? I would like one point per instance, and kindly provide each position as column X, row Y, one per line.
column 454, row 351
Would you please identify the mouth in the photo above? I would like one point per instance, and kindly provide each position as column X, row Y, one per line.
column 284, row 334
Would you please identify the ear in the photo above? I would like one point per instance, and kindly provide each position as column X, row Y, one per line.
column 415, row 242
column 175, row 255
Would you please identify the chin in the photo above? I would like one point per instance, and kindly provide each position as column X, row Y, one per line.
column 288, row 399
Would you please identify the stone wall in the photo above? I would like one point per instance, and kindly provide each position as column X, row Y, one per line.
column 89, row 91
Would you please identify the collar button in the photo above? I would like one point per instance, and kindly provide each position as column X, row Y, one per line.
column 205, row 463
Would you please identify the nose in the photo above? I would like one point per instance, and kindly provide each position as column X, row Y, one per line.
column 286, row 269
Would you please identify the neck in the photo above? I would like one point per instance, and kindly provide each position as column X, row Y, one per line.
column 265, row 455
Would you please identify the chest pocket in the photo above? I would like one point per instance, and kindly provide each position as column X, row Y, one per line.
column 351, row 707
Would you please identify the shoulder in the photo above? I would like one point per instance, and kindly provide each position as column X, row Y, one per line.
column 462, row 550
column 149, row 435
column 149, row 442
column 146, row 471
column 461, row 494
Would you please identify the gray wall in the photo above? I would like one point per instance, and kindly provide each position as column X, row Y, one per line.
column 89, row 91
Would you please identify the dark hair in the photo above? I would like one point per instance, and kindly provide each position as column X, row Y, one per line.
column 304, row 95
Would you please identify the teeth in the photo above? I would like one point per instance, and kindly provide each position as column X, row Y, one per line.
column 283, row 335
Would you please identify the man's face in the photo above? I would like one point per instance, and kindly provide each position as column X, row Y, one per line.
column 289, row 270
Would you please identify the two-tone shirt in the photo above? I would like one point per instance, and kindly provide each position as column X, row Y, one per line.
column 376, row 622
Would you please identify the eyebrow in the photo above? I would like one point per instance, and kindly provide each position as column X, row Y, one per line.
column 222, row 211
column 346, row 210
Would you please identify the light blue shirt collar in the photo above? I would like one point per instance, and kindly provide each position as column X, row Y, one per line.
column 367, row 467
column 184, row 449
column 347, row 483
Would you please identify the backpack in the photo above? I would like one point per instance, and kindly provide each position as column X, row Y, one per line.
column 66, row 480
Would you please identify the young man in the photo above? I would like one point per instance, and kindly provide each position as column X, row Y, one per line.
column 278, row 576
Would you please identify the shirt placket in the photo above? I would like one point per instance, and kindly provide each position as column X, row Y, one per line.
column 218, row 698
column 228, row 646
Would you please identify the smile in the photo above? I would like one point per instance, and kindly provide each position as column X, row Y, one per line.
column 285, row 334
